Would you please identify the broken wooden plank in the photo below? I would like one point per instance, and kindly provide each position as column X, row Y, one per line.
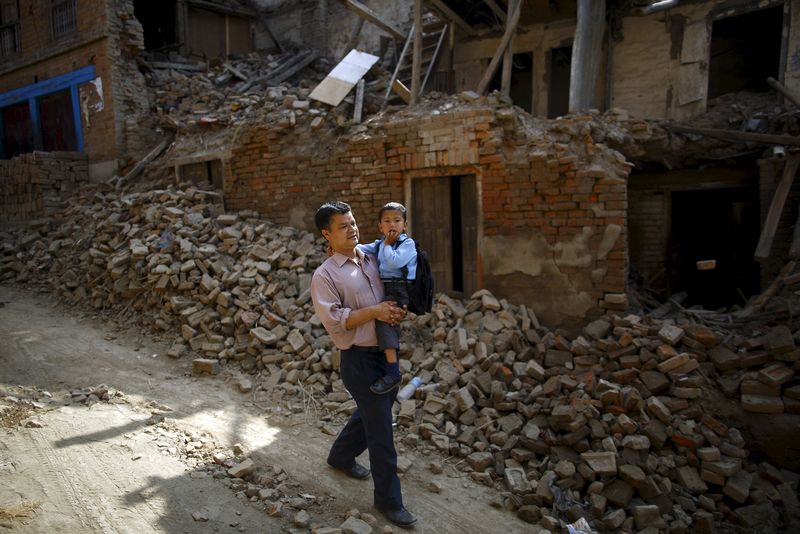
column 778, row 86
column 775, row 209
column 359, row 105
column 744, row 137
column 402, row 91
column 369, row 15
column 193, row 67
column 153, row 154
column 762, row 299
column 230, row 68
column 511, row 27
column 276, row 78
column 344, row 76
column 450, row 14
column 399, row 65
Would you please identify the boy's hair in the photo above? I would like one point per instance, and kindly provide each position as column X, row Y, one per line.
column 325, row 212
column 392, row 206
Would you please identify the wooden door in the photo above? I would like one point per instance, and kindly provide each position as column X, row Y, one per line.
column 469, row 234
column 444, row 217
column 430, row 216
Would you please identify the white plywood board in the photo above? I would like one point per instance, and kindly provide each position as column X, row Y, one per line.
column 695, row 43
column 343, row 77
column 692, row 81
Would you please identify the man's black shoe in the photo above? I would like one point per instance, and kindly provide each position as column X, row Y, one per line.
column 354, row 471
column 401, row 518
column 385, row 384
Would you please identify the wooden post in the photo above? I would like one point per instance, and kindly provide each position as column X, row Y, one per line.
column 359, row 107
column 775, row 209
column 586, row 54
column 508, row 57
column 416, row 65
column 511, row 27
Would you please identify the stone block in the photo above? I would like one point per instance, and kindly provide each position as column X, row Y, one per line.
column 207, row 366
column 776, row 373
column 648, row 515
column 619, row 493
column 738, row 486
column 688, row 477
column 670, row 334
column 602, row 463
column 723, row 358
column 761, row 404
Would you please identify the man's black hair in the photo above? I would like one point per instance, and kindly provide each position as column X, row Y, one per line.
column 392, row 206
column 323, row 216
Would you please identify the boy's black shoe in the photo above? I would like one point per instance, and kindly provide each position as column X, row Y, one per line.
column 385, row 384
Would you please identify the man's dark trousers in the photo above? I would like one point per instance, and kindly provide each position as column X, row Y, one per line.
column 370, row 426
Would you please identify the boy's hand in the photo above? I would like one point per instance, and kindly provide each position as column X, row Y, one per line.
column 391, row 237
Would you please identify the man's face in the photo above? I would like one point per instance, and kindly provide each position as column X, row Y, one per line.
column 392, row 223
column 342, row 233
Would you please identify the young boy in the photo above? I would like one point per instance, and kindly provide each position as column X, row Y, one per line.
column 395, row 252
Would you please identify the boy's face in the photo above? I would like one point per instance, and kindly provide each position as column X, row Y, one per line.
column 392, row 223
column 342, row 234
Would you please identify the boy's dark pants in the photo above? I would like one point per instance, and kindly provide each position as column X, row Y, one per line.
column 389, row 335
column 370, row 426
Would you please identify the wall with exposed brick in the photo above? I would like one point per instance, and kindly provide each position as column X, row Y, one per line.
column 114, row 109
column 659, row 68
column 37, row 184
column 552, row 230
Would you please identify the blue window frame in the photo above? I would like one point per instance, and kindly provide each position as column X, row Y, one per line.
column 31, row 93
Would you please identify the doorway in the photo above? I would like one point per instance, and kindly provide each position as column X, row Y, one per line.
column 58, row 122
column 745, row 51
column 558, row 88
column 720, row 225
column 159, row 22
column 444, row 214
column 521, row 89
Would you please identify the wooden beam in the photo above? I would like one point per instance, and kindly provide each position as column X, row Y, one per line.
column 775, row 209
column 737, row 136
column 587, row 54
column 496, row 9
column 508, row 57
column 416, row 58
column 511, row 27
column 778, row 86
column 368, row 14
column 794, row 249
column 153, row 154
column 450, row 14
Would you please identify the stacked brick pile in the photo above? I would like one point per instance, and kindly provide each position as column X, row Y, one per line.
column 36, row 185
column 613, row 426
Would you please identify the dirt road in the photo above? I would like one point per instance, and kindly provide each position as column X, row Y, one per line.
column 103, row 468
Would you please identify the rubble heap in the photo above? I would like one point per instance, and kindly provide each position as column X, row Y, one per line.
column 615, row 425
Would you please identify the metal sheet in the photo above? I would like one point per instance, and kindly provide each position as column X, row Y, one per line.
column 343, row 77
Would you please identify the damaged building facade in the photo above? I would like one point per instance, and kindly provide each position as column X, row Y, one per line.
column 551, row 209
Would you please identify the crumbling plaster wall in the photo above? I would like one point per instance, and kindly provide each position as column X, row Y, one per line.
column 134, row 131
column 328, row 26
column 659, row 70
column 552, row 203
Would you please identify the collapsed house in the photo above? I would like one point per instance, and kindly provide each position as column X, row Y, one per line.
column 507, row 193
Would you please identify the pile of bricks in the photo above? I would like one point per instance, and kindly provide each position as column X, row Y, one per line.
column 612, row 426
column 36, row 185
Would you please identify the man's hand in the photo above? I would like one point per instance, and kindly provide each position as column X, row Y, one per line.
column 389, row 312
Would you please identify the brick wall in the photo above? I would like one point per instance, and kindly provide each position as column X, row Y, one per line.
column 648, row 222
column 553, row 205
column 35, row 185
